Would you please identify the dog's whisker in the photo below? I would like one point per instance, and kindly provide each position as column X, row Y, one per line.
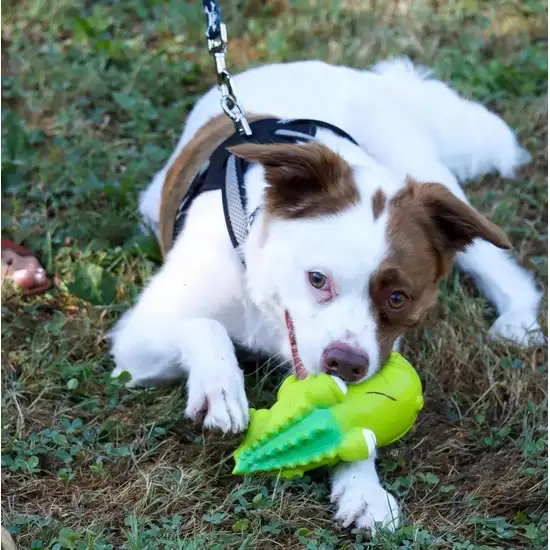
column 266, row 363
column 273, row 369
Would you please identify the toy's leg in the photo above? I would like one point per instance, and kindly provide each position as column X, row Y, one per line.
column 361, row 499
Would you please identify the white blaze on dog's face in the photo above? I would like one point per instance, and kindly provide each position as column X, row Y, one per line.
column 352, row 255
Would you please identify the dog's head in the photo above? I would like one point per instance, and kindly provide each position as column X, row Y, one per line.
column 350, row 257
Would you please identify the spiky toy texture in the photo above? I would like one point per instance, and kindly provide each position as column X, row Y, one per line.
column 320, row 421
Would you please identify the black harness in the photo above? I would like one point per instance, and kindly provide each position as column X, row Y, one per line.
column 224, row 171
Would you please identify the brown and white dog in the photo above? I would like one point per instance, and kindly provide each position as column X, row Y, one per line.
column 346, row 249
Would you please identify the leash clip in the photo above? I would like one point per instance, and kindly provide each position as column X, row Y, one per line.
column 216, row 32
column 218, row 44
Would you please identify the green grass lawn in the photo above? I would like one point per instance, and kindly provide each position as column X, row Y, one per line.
column 94, row 98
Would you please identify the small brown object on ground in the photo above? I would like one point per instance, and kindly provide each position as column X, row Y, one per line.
column 22, row 267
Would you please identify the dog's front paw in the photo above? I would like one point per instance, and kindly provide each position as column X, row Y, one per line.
column 218, row 397
column 519, row 327
column 363, row 501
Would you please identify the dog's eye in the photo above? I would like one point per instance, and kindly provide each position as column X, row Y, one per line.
column 397, row 300
column 317, row 280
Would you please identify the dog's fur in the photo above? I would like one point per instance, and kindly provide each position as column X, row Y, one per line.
column 355, row 213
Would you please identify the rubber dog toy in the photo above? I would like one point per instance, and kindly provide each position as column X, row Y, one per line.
column 319, row 421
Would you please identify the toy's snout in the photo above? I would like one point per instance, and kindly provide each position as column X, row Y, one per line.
column 347, row 363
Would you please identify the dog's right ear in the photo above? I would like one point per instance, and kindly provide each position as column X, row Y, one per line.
column 304, row 180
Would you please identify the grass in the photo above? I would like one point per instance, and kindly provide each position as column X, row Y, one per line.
column 94, row 96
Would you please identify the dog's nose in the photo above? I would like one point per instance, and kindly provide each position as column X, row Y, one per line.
column 345, row 362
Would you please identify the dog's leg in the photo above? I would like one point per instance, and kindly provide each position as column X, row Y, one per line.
column 361, row 499
column 153, row 346
column 176, row 327
column 204, row 352
column 215, row 383
column 510, row 287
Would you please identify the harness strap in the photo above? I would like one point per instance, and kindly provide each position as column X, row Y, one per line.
column 224, row 171
column 234, row 206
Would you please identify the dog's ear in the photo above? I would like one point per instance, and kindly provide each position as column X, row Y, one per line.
column 304, row 180
column 456, row 223
column 430, row 212
column 449, row 224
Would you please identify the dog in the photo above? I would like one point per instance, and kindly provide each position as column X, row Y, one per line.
column 349, row 230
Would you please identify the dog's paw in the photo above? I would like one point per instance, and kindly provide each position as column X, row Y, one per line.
column 519, row 327
column 218, row 398
column 363, row 501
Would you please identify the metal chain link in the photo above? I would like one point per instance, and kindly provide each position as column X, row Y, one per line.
column 216, row 33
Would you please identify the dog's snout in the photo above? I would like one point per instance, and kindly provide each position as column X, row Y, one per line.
column 345, row 362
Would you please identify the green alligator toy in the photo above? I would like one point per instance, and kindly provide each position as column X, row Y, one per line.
column 319, row 421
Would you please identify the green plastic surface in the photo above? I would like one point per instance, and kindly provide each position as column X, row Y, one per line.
column 315, row 422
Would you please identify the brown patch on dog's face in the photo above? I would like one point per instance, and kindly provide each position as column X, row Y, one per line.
column 378, row 203
column 427, row 226
column 305, row 180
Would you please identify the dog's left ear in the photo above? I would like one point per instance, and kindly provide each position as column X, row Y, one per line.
column 305, row 180
column 456, row 223
column 449, row 224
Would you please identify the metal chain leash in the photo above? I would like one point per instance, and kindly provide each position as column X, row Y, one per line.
column 216, row 33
